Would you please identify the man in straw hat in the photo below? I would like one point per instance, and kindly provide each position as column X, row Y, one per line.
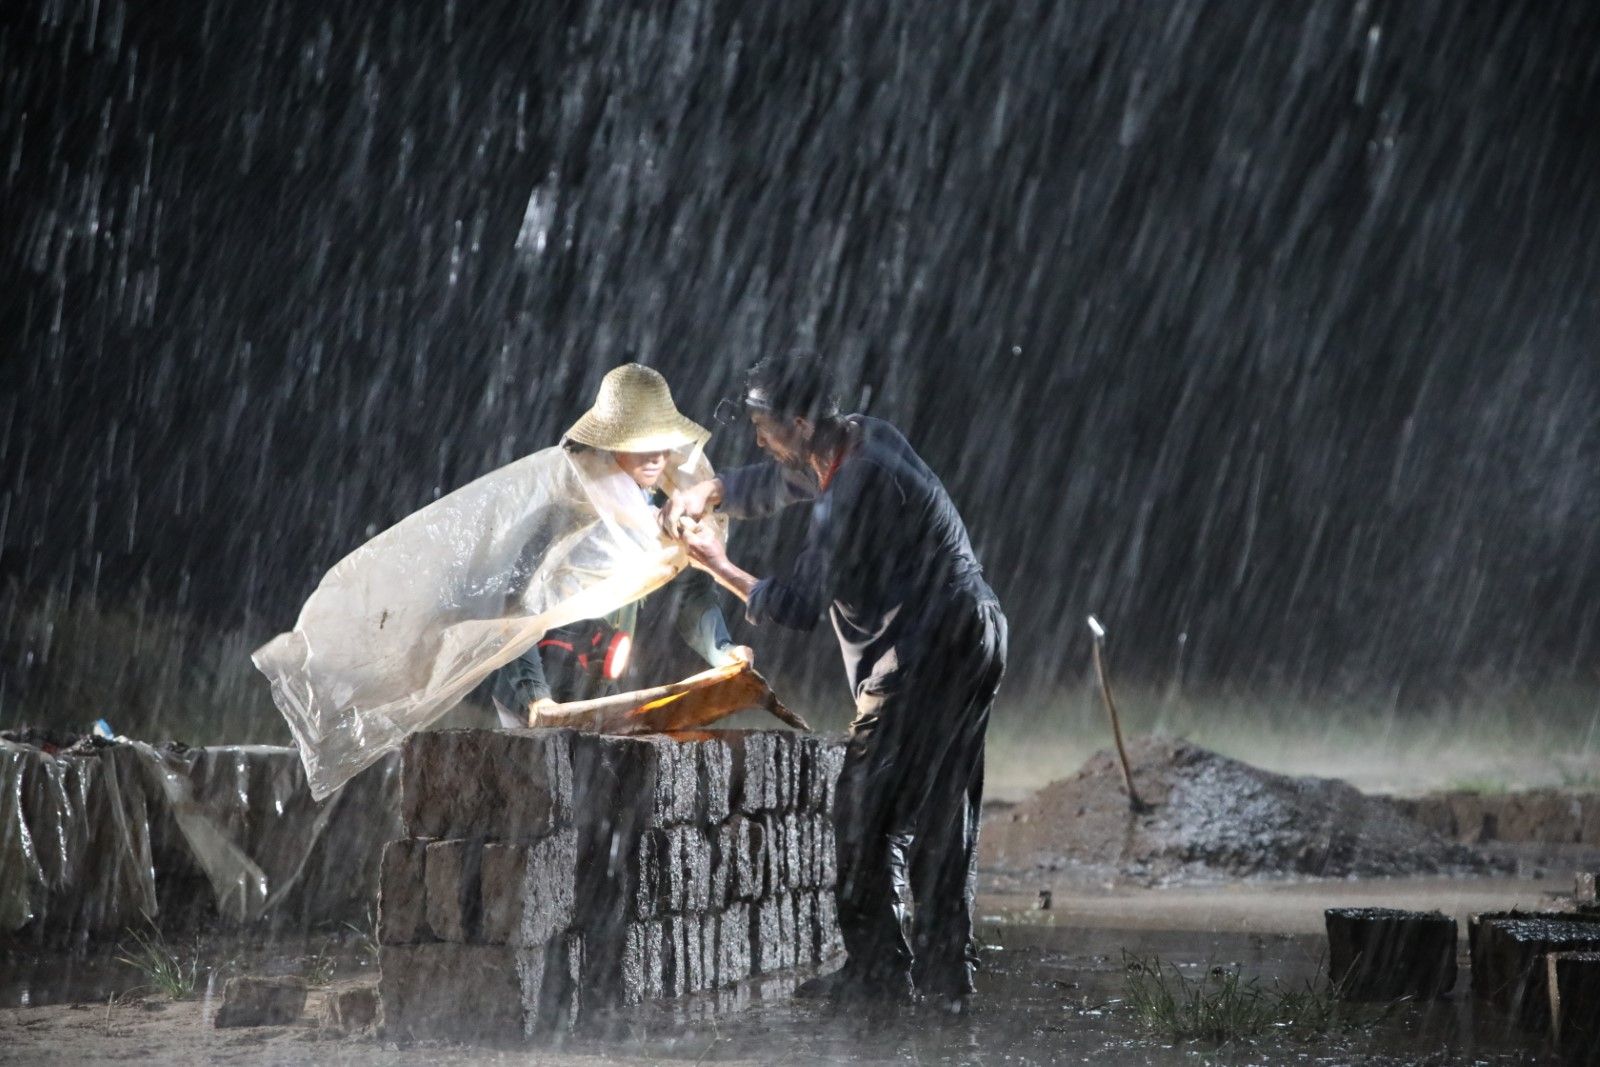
column 924, row 645
column 635, row 420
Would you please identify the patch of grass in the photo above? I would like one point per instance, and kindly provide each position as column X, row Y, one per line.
column 366, row 935
column 1224, row 1006
column 321, row 966
column 162, row 965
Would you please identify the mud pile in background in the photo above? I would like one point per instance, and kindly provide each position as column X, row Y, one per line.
column 1213, row 817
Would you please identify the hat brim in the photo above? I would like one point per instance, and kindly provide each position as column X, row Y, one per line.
column 664, row 436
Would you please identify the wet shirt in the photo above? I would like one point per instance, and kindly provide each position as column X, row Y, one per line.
column 886, row 552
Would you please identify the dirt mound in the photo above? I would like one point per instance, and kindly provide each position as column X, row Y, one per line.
column 1213, row 817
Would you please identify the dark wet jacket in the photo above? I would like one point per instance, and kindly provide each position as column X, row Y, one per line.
column 886, row 552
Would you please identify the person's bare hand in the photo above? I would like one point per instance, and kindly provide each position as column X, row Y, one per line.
column 700, row 541
column 741, row 654
column 691, row 504
column 537, row 708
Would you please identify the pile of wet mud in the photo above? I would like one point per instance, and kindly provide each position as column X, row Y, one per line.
column 1212, row 817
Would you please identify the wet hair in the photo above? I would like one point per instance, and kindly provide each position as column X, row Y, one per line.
column 798, row 385
column 574, row 447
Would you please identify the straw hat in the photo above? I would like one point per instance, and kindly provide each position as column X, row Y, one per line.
column 634, row 413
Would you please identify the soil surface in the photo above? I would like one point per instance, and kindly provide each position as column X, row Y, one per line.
column 1053, row 990
column 1212, row 818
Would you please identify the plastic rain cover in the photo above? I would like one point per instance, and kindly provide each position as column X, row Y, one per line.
column 409, row 623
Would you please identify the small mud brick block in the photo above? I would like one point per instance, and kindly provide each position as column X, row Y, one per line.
column 248, row 1001
column 830, row 758
column 685, row 936
column 1583, row 888
column 693, row 853
column 1542, row 815
column 1513, row 952
column 1386, row 954
column 552, row 977
column 827, row 853
column 805, row 928
column 721, row 877
column 716, row 781
column 677, row 779
column 733, row 945
column 787, row 748
column 402, row 894
column 1589, row 834
column 1573, row 981
column 740, row 845
column 755, row 770
column 529, row 891
column 447, row 992
column 497, row 785
column 1475, row 824
column 351, row 1011
column 829, row 940
column 454, row 894
column 645, row 962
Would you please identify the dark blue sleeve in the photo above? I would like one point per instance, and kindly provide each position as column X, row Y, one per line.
column 762, row 489
column 846, row 522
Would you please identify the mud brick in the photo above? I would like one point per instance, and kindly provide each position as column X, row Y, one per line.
column 721, row 878
column 686, row 936
column 716, row 782
column 755, row 770
column 827, row 853
column 1542, row 815
column 450, row 992
column 1475, row 822
column 1513, row 971
column 772, row 935
column 1589, row 833
column 788, row 747
column 252, row 1001
column 1573, row 981
column 650, row 880
column 454, row 905
column 497, row 785
column 677, row 780
column 829, row 941
column 710, row 950
column 819, row 767
column 644, row 963
column 693, row 854
column 402, row 894
column 743, row 851
column 528, row 891
column 1385, row 954
column 1583, row 888
column 733, row 945
column 805, row 929
column 548, row 979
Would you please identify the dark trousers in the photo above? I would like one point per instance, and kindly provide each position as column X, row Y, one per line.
column 907, row 809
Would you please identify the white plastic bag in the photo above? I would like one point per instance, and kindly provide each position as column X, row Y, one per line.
column 409, row 623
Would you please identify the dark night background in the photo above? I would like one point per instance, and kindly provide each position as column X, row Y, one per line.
column 1274, row 326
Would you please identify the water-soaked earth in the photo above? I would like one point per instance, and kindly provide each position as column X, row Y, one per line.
column 1053, row 991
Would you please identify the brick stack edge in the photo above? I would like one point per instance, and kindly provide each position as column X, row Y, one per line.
column 547, row 874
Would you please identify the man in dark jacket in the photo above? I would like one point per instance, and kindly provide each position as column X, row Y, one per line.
column 924, row 644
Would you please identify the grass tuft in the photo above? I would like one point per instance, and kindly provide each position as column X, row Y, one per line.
column 163, row 967
column 1223, row 1006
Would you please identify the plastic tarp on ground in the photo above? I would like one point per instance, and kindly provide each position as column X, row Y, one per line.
column 103, row 837
column 408, row 624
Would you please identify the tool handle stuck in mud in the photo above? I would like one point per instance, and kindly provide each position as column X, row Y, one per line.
column 1135, row 803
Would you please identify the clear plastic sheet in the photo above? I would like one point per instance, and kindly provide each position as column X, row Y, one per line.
column 409, row 623
column 98, row 840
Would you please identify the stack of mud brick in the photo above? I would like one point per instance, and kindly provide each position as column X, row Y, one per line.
column 548, row 874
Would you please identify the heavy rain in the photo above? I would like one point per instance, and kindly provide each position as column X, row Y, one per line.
column 1265, row 336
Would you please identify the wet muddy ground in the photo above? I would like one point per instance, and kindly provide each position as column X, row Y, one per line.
column 1053, row 991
